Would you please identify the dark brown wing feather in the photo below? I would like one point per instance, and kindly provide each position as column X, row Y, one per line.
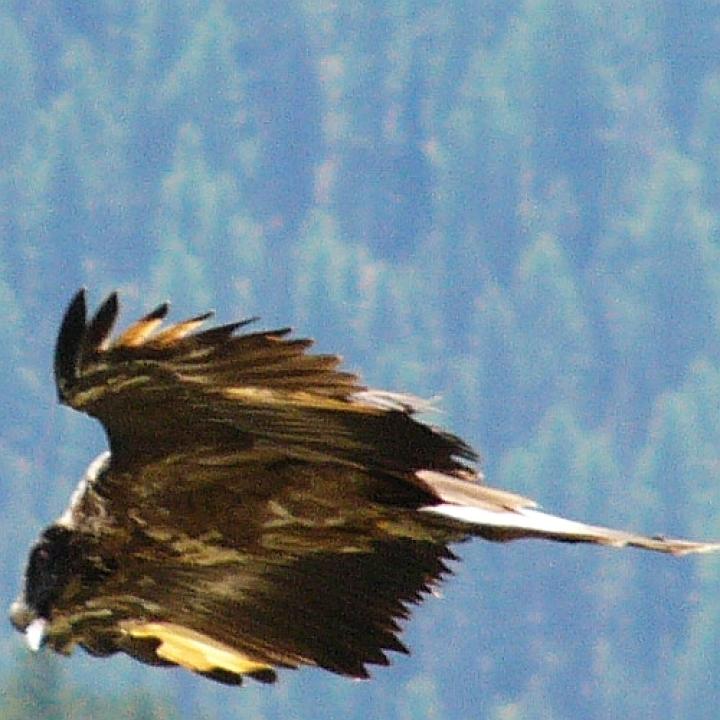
column 261, row 501
column 211, row 387
column 336, row 612
column 284, row 564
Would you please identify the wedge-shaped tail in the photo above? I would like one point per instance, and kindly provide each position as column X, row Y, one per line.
column 531, row 523
column 501, row 516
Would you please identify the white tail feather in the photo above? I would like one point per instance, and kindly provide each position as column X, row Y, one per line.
column 521, row 519
column 526, row 521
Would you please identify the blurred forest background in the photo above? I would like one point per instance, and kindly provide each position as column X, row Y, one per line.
column 513, row 206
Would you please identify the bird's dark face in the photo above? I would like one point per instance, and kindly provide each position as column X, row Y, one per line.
column 51, row 566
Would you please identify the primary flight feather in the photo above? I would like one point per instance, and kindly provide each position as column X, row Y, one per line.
column 258, row 508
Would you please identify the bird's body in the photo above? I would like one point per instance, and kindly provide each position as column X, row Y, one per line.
column 258, row 507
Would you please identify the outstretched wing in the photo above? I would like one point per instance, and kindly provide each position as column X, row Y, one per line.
column 251, row 614
column 158, row 391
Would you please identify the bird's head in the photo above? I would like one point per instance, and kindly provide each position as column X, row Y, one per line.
column 51, row 567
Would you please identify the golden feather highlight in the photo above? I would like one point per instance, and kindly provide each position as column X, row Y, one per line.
column 194, row 650
column 179, row 330
column 139, row 332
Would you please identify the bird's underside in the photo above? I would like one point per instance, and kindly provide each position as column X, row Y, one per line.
column 258, row 508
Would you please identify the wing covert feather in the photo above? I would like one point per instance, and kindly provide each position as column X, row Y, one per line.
column 214, row 387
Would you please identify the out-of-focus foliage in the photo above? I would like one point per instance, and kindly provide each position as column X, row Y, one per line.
column 512, row 206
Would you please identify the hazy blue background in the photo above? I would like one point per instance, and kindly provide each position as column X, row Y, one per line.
column 513, row 206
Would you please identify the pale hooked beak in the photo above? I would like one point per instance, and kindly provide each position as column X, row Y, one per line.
column 35, row 634
column 24, row 620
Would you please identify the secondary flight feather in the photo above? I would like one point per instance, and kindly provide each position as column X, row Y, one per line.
column 258, row 508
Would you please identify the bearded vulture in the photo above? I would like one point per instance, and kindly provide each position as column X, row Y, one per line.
column 257, row 509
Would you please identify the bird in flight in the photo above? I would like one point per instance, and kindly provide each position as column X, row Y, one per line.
column 258, row 508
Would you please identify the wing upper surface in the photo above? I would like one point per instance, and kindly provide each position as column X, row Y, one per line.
column 157, row 391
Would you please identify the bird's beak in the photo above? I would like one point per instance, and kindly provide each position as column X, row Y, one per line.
column 35, row 634
column 25, row 621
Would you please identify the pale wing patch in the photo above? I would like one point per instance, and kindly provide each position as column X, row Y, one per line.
column 193, row 650
column 268, row 396
column 469, row 492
